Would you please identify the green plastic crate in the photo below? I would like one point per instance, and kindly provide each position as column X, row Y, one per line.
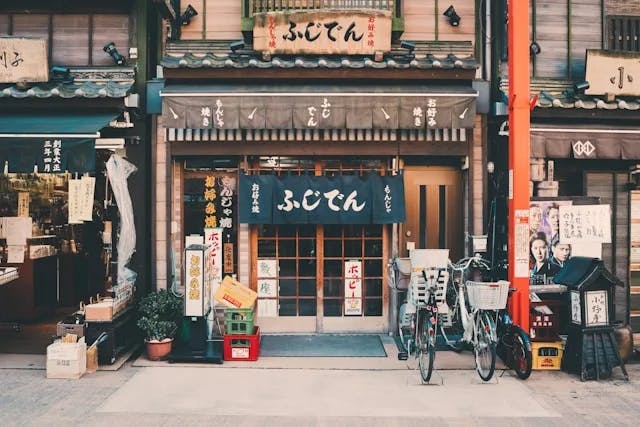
column 238, row 320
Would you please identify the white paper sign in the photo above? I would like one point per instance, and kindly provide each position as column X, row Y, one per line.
column 597, row 308
column 194, row 287
column 585, row 223
column 75, row 212
column 267, row 268
column 213, row 239
column 87, row 190
column 267, row 288
column 521, row 243
column 575, row 307
column 267, row 308
column 353, row 288
column 15, row 254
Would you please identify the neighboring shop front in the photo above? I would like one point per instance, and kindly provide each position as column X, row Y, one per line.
column 316, row 173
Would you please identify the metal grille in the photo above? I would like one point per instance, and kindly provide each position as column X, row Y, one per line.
column 266, row 135
column 624, row 33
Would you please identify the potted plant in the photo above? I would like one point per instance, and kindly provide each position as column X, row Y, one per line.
column 159, row 315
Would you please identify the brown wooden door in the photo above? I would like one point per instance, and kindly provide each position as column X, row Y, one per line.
column 434, row 210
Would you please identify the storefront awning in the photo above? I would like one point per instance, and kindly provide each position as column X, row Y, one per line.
column 318, row 107
column 585, row 142
column 51, row 143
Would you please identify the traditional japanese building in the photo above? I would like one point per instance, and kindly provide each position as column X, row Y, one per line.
column 316, row 140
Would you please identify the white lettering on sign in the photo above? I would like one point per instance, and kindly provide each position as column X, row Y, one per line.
column 311, row 200
column 432, row 112
column 255, row 197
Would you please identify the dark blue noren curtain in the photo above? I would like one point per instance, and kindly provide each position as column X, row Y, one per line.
column 256, row 199
column 287, row 200
column 388, row 199
column 64, row 155
column 356, row 199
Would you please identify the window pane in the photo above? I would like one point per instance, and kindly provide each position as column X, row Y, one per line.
column 332, row 307
column 373, row 287
column 307, row 268
column 287, row 287
column 287, row 268
column 266, row 248
column 352, row 231
column 333, row 231
column 373, row 307
column 307, row 287
column 333, row 269
column 373, row 231
column 333, row 248
column 333, row 287
column 287, row 307
column 107, row 29
column 287, row 231
column 267, row 231
column 353, row 248
column 307, row 231
column 70, row 45
column 373, row 248
column 307, row 248
column 308, row 307
column 373, row 268
column 286, row 248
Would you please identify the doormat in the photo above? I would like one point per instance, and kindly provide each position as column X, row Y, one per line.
column 321, row 346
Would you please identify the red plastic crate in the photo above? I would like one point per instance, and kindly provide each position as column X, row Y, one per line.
column 242, row 346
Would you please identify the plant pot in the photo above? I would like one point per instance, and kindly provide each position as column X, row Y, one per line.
column 158, row 350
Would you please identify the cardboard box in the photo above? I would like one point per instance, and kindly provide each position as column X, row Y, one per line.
column 234, row 294
column 99, row 312
column 67, row 360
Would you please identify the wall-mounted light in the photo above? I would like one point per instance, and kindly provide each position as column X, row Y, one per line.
column 580, row 87
column 534, row 48
column 189, row 12
column 454, row 18
column 410, row 46
column 237, row 45
column 110, row 48
column 60, row 74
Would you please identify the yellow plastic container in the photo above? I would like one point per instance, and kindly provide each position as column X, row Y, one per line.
column 547, row 356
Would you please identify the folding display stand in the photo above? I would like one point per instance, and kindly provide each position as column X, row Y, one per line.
column 198, row 343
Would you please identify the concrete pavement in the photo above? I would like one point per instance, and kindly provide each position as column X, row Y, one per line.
column 269, row 396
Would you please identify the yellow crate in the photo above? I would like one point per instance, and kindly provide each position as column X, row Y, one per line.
column 547, row 356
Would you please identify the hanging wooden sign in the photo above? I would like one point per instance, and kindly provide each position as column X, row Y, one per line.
column 23, row 60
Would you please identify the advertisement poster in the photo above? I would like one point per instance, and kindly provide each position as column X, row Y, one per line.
column 547, row 250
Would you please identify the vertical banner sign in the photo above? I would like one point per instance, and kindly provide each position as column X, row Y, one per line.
column 227, row 186
column 23, row 204
column 210, row 196
column 353, row 288
column 87, row 190
column 521, row 243
column 267, row 287
column 75, row 202
column 193, row 305
column 213, row 239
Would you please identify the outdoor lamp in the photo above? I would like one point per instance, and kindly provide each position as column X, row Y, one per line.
column 454, row 18
column 185, row 18
column 237, row 45
column 60, row 74
column 410, row 46
column 581, row 86
column 534, row 48
column 110, row 48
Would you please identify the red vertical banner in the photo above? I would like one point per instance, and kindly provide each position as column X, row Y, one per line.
column 519, row 152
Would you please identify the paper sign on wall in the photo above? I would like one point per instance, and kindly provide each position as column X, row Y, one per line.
column 353, row 288
column 585, row 223
column 23, row 204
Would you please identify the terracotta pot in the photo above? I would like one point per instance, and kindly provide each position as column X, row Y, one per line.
column 159, row 350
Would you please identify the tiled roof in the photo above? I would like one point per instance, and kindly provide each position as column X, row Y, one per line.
column 87, row 83
column 561, row 94
column 435, row 55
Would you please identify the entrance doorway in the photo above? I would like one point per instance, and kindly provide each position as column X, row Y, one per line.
column 433, row 196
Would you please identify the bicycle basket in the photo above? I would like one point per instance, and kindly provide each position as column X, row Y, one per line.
column 488, row 295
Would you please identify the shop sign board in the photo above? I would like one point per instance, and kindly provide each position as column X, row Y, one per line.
column 213, row 239
column 349, row 32
column 194, row 293
column 585, row 224
column 353, row 288
column 610, row 72
column 23, row 60
column 23, row 204
column 521, row 243
column 343, row 199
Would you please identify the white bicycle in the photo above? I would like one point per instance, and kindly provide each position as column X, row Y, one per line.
column 473, row 312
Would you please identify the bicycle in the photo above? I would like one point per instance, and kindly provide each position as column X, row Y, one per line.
column 476, row 322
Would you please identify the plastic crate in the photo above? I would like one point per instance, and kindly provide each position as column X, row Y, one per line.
column 488, row 295
column 238, row 320
column 547, row 356
column 242, row 347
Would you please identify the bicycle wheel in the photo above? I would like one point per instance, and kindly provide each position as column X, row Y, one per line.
column 520, row 357
column 484, row 347
column 425, row 343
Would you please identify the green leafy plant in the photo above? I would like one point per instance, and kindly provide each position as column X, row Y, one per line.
column 159, row 315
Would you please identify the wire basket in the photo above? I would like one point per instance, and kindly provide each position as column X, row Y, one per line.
column 488, row 295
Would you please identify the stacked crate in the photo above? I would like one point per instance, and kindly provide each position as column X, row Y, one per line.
column 241, row 338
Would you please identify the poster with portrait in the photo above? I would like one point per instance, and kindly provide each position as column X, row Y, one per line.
column 548, row 253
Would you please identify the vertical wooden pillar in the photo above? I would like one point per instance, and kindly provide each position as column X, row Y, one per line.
column 518, row 248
